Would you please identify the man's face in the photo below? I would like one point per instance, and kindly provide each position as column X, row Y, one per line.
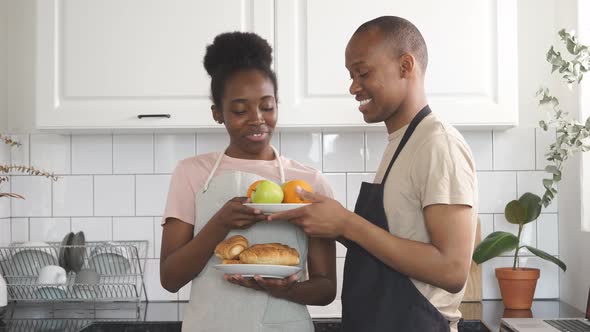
column 375, row 71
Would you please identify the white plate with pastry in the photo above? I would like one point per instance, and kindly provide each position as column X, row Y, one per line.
column 276, row 207
column 268, row 260
column 265, row 271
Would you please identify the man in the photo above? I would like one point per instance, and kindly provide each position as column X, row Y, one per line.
column 410, row 240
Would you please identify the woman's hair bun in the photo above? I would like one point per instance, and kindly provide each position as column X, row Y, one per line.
column 237, row 50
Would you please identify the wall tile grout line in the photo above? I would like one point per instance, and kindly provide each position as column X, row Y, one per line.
column 493, row 164
column 535, row 147
column 71, row 155
column 112, row 153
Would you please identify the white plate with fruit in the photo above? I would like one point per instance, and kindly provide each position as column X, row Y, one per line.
column 270, row 197
column 274, row 208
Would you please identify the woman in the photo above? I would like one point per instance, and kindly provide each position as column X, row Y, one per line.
column 205, row 206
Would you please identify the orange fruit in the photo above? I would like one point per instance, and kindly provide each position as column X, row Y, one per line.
column 252, row 187
column 290, row 191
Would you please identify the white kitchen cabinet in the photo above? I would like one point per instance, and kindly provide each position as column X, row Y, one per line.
column 103, row 63
column 472, row 71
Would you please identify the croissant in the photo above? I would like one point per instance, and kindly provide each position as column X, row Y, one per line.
column 231, row 261
column 231, row 247
column 270, row 253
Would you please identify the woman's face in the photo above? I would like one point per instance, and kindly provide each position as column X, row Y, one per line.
column 249, row 112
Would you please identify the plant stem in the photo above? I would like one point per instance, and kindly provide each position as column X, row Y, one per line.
column 520, row 226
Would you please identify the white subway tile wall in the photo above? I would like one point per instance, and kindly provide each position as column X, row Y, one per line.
column 92, row 154
column 73, row 196
column 133, row 154
column 510, row 156
column 113, row 187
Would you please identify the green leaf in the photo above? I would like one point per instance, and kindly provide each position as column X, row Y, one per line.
column 547, row 257
column 552, row 169
column 547, row 183
column 532, row 204
column 543, row 125
column 571, row 46
column 515, row 212
column 494, row 245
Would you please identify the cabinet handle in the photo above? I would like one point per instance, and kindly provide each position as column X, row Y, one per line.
column 141, row 116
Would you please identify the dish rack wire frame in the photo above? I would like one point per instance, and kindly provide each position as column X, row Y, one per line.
column 118, row 281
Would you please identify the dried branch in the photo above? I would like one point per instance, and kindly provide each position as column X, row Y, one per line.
column 11, row 195
column 9, row 141
column 27, row 170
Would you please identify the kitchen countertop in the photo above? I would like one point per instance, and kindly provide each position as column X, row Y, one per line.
column 74, row 316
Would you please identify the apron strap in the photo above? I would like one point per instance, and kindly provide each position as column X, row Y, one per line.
column 218, row 161
column 281, row 169
column 415, row 121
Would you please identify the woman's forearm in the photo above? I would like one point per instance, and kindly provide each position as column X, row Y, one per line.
column 186, row 262
column 318, row 290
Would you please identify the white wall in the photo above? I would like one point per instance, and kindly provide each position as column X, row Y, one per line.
column 574, row 244
column 3, row 56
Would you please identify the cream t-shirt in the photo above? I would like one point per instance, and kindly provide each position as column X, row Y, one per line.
column 435, row 167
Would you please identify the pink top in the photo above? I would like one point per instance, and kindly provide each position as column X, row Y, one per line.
column 191, row 173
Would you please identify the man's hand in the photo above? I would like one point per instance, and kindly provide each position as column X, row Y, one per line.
column 324, row 218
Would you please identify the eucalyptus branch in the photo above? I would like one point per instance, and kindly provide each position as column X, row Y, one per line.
column 571, row 135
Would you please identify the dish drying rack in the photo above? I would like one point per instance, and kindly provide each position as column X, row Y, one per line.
column 119, row 264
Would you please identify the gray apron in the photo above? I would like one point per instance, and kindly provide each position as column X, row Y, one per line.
column 217, row 305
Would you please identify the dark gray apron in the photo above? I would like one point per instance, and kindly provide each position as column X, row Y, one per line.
column 375, row 297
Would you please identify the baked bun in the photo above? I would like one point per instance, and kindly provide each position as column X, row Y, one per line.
column 231, row 261
column 270, row 253
column 231, row 247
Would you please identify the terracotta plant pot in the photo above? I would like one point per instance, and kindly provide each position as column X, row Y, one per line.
column 517, row 286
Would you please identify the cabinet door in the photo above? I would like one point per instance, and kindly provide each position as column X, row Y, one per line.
column 472, row 72
column 102, row 63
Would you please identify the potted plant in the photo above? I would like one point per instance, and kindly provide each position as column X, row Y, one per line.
column 517, row 284
column 6, row 169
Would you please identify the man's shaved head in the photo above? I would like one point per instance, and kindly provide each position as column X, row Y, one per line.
column 401, row 34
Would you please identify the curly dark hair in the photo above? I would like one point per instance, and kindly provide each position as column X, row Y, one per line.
column 232, row 52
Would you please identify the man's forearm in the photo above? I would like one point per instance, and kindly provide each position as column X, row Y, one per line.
column 421, row 261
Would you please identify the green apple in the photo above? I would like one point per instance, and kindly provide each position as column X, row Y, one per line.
column 267, row 192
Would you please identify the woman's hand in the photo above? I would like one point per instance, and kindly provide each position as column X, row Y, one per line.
column 275, row 287
column 234, row 215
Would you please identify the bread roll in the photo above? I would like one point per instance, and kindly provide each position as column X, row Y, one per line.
column 231, row 261
column 231, row 247
column 270, row 253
